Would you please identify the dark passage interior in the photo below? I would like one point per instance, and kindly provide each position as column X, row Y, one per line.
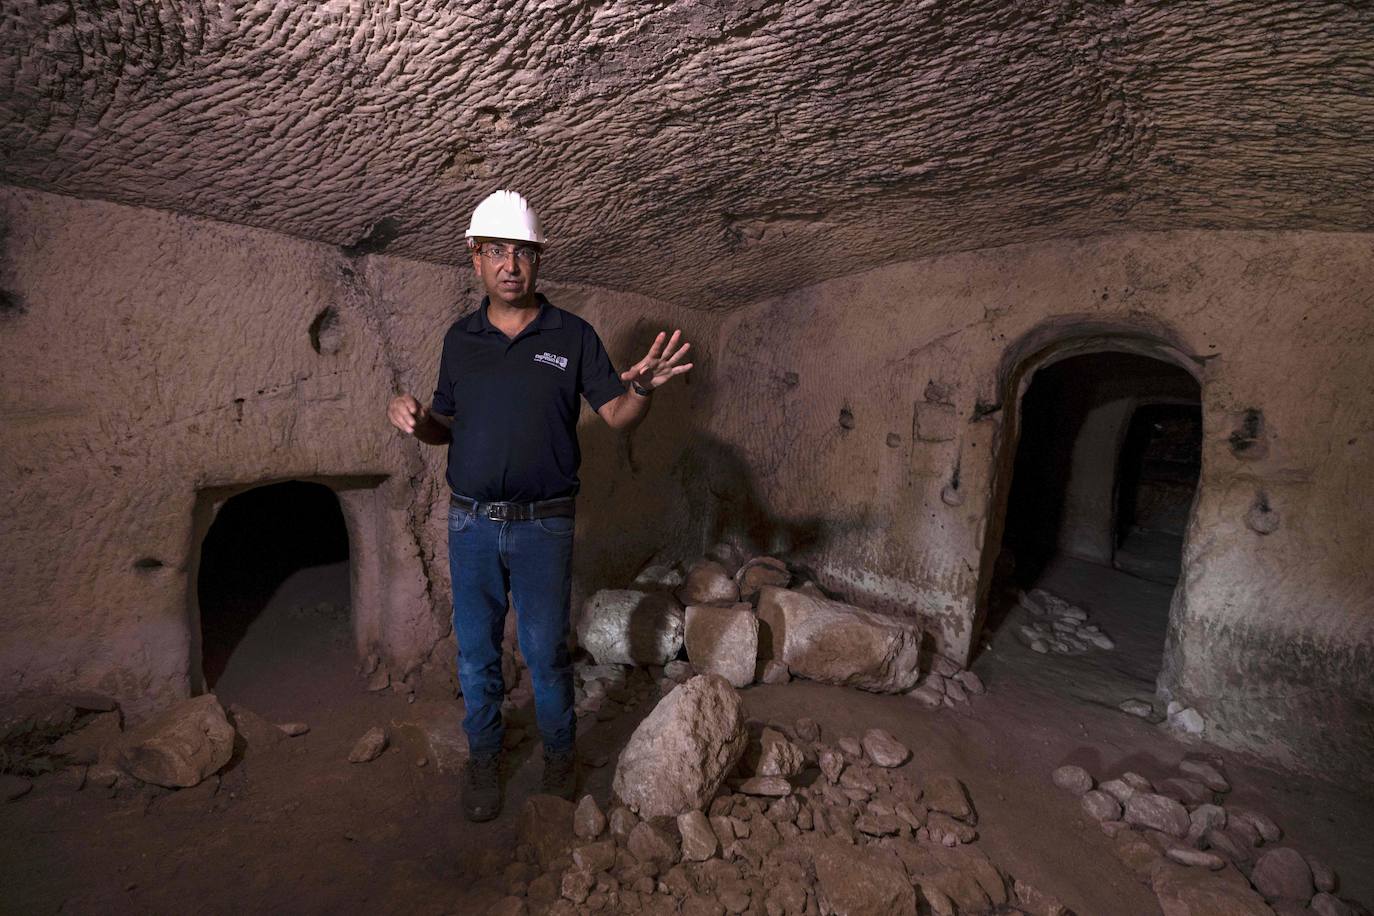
column 273, row 578
column 1106, row 467
column 1157, row 476
column 1109, row 454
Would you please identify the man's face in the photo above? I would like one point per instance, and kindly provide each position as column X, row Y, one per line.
column 508, row 279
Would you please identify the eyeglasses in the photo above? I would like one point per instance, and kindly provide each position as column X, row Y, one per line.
column 500, row 254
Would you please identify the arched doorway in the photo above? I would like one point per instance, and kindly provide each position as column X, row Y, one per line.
column 273, row 593
column 1097, row 472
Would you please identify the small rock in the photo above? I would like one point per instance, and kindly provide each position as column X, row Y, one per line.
column 658, row 575
column 927, row 696
column 294, row 729
column 1101, row 641
column 955, row 691
column 770, row 786
column 1118, row 789
column 1322, row 875
column 883, row 749
column 1101, row 806
column 369, row 746
column 588, row 821
column 1283, row 874
column 652, row 846
column 971, row 682
column 831, row 763
column 1137, row 782
column 1206, row 817
column 1147, row 809
column 947, row 794
column 1325, row 904
column 1073, row 779
column 378, row 680
column 595, row 857
column 1187, row 791
column 1194, row 892
column 678, row 670
column 808, row 729
column 707, row 582
column 103, row 775
column 621, row 821
column 1262, row 823
column 1184, row 855
column 1205, row 773
column 773, row 755
column 1039, row 645
column 775, row 672
column 851, row 747
column 1138, row 708
column 1189, row 721
column 698, row 839
column 577, row 884
column 759, row 572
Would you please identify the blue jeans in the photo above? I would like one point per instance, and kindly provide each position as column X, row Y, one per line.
column 532, row 560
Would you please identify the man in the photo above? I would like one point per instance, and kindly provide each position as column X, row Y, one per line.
column 506, row 404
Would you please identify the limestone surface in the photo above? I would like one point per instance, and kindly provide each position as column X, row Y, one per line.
column 837, row 643
column 629, row 627
column 181, row 746
column 683, row 749
column 723, row 640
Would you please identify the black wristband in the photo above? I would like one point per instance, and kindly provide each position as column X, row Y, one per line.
column 641, row 390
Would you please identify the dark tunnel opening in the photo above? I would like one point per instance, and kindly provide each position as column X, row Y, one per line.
column 273, row 576
column 1102, row 487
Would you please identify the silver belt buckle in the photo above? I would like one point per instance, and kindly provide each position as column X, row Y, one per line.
column 497, row 511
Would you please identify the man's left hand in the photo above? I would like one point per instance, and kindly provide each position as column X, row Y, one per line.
column 662, row 362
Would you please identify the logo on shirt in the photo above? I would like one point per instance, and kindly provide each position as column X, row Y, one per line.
column 558, row 362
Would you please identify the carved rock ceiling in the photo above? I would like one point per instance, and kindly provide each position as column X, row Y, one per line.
column 709, row 152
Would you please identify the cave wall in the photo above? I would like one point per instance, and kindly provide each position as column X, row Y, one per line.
column 876, row 425
column 153, row 364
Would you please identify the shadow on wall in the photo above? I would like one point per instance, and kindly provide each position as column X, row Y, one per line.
column 669, row 491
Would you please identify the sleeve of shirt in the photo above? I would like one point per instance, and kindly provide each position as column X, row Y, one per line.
column 443, row 389
column 600, row 382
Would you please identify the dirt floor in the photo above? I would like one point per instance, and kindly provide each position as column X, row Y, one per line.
column 295, row 828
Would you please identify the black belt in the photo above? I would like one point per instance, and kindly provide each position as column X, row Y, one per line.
column 515, row 512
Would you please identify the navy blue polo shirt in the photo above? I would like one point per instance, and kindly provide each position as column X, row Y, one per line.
column 515, row 403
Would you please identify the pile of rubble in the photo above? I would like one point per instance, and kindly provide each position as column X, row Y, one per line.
column 81, row 742
column 1058, row 626
column 713, row 815
column 751, row 626
column 1198, row 854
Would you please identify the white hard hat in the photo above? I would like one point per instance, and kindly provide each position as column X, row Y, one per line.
column 505, row 215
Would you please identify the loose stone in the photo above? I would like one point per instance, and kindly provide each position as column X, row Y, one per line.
column 588, row 820
column 1073, row 779
column 698, row 839
column 1166, row 815
column 369, row 747
column 1101, row 806
column 883, row 749
column 1283, row 874
column 769, row 786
